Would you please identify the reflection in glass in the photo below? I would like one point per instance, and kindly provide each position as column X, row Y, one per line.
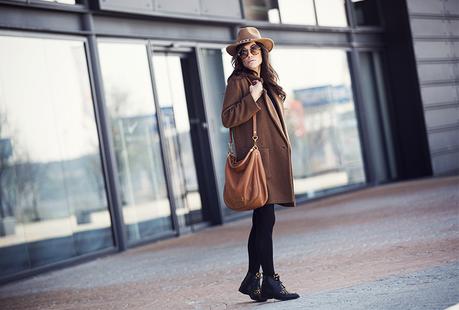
column 320, row 117
column 380, row 145
column 297, row 12
column 261, row 10
column 214, row 83
column 300, row 12
column 176, row 124
column 331, row 13
column 53, row 203
column 132, row 114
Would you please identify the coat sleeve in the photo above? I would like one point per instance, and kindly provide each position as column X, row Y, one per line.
column 237, row 108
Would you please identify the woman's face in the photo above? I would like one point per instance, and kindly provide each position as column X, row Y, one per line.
column 251, row 61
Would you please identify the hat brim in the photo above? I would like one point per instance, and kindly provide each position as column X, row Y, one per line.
column 267, row 42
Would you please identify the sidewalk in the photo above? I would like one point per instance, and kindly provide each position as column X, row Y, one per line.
column 390, row 247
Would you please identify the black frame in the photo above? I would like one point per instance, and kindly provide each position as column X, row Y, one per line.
column 185, row 54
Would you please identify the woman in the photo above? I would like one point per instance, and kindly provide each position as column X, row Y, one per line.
column 252, row 88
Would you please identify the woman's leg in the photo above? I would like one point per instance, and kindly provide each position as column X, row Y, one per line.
column 264, row 224
column 254, row 262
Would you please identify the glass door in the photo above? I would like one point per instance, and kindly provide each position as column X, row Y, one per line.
column 146, row 208
column 175, row 121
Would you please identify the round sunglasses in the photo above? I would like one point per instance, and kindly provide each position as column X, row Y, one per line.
column 254, row 50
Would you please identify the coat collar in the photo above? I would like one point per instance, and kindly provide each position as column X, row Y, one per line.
column 277, row 118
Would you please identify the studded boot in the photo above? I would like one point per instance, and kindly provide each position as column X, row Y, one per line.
column 272, row 287
column 251, row 286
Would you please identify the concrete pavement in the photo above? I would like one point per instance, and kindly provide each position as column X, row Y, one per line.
column 391, row 247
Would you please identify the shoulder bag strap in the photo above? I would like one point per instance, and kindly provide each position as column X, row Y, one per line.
column 254, row 133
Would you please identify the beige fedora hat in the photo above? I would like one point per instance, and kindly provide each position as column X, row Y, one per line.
column 249, row 34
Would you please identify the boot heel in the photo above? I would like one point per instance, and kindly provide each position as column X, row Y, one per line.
column 257, row 296
column 251, row 286
column 265, row 295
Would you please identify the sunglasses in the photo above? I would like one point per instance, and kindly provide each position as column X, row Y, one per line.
column 254, row 50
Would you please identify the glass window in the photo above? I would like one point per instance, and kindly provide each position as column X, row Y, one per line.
column 265, row 10
column 331, row 13
column 297, row 12
column 366, row 12
column 133, row 121
column 320, row 118
column 53, row 202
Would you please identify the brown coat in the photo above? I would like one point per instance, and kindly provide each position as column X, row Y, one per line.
column 273, row 141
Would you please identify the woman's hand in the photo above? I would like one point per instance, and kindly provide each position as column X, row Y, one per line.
column 256, row 89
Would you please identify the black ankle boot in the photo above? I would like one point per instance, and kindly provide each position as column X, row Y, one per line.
column 251, row 286
column 272, row 287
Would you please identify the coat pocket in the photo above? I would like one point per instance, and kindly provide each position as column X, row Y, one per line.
column 265, row 157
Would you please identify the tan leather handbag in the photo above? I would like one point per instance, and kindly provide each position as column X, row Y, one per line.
column 245, row 180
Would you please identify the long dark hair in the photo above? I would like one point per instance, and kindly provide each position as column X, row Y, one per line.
column 267, row 72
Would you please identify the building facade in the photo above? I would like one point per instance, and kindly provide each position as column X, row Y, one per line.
column 435, row 36
column 110, row 128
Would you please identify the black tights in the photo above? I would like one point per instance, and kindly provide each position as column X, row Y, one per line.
column 260, row 243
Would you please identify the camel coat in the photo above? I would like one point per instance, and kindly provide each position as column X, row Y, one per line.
column 273, row 141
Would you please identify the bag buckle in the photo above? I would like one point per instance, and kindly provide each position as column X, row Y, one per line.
column 255, row 138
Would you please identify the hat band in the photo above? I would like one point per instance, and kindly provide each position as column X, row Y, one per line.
column 246, row 40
